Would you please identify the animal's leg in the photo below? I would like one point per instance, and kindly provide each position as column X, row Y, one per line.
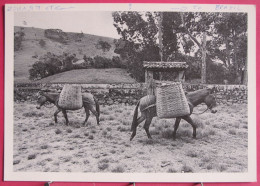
column 55, row 115
column 176, row 125
column 87, row 116
column 147, row 125
column 65, row 116
column 189, row 120
column 139, row 120
column 91, row 108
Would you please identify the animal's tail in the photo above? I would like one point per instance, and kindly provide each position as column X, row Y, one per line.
column 97, row 106
column 134, row 122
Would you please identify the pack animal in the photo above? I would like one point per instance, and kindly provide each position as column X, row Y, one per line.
column 89, row 101
column 147, row 106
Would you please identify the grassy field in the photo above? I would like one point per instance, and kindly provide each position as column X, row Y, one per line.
column 91, row 76
column 40, row 145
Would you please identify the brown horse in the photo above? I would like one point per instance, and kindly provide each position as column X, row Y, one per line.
column 147, row 106
column 88, row 103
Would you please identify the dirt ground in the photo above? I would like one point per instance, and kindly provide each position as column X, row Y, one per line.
column 40, row 145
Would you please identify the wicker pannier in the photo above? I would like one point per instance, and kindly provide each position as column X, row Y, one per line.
column 171, row 101
column 70, row 97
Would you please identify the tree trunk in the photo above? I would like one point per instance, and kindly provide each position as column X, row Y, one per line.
column 203, row 60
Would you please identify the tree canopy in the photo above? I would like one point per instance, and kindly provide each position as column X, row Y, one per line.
column 215, row 42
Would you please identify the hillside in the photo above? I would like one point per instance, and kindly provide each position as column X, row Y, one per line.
column 86, row 45
column 90, row 76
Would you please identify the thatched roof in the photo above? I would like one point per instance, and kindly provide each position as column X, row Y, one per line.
column 165, row 65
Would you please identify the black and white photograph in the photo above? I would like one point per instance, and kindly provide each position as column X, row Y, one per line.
column 130, row 92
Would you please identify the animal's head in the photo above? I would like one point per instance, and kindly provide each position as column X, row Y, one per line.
column 40, row 99
column 210, row 100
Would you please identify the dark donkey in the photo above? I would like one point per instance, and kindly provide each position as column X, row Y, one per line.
column 88, row 103
column 148, row 110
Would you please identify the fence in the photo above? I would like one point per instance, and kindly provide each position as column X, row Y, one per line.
column 109, row 94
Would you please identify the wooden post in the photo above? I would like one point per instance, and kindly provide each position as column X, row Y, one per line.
column 181, row 76
column 203, row 59
column 148, row 75
column 149, row 81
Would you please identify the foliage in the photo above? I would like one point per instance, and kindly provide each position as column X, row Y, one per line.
column 51, row 64
column 103, row 62
column 138, row 42
column 103, row 45
column 18, row 38
column 40, row 70
column 88, row 60
column 199, row 36
column 42, row 43
column 230, row 44
column 56, row 35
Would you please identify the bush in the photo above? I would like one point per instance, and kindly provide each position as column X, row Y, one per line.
column 102, row 62
column 103, row 45
column 18, row 38
column 56, row 35
column 51, row 64
column 40, row 70
column 88, row 60
column 42, row 43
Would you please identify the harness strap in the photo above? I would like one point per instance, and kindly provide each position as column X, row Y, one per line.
column 204, row 110
column 153, row 105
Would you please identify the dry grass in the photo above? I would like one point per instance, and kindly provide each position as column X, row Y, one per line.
column 43, row 146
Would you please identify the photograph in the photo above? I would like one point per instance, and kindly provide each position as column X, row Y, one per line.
column 130, row 92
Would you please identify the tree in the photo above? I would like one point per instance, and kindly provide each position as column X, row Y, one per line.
column 42, row 43
column 138, row 41
column 103, row 45
column 230, row 44
column 198, row 27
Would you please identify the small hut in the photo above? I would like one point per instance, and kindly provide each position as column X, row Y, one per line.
column 153, row 67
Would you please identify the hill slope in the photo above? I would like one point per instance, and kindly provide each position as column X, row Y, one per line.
column 90, row 76
column 23, row 59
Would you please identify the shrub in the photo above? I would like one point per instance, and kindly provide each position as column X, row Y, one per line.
column 18, row 38
column 88, row 60
column 91, row 137
column 31, row 157
column 42, row 43
column 192, row 154
column 186, row 168
column 103, row 164
column 40, row 70
column 103, row 45
column 102, row 62
column 50, row 64
column 56, row 35
column 58, row 131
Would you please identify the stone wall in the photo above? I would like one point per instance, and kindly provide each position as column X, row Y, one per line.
column 130, row 93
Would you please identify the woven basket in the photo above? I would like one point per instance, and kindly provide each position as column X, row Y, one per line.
column 70, row 97
column 171, row 101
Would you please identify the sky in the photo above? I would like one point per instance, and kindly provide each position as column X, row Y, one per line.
column 89, row 22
